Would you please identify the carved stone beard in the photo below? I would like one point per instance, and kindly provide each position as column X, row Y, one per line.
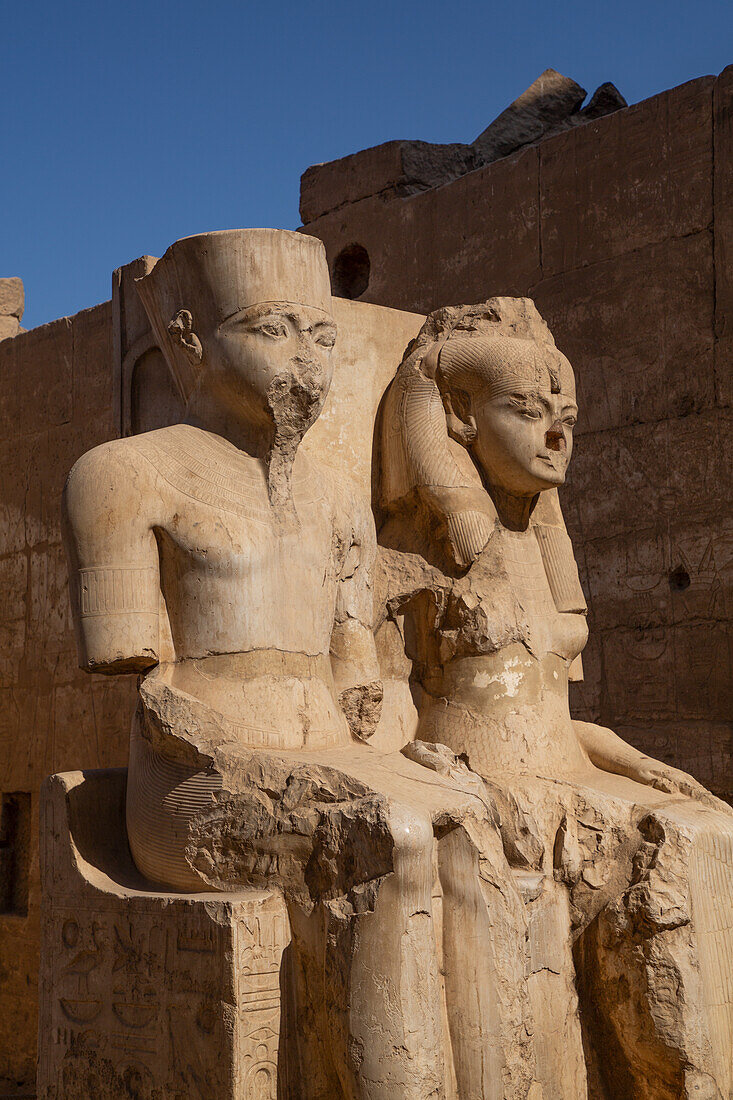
column 295, row 398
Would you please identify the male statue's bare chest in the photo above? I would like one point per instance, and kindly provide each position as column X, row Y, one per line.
column 232, row 573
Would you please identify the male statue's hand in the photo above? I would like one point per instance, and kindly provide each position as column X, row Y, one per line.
column 362, row 705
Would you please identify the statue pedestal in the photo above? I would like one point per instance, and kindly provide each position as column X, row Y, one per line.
column 144, row 992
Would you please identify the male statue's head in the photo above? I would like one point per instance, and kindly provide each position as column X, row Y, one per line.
column 243, row 319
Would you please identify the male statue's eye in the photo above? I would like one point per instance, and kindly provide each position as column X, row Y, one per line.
column 326, row 339
column 531, row 412
column 276, row 329
column 570, row 421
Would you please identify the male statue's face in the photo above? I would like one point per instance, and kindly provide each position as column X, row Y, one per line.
column 272, row 360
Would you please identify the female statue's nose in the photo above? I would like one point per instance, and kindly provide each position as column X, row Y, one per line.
column 555, row 437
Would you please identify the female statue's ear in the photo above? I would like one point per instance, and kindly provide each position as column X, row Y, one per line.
column 461, row 428
column 181, row 332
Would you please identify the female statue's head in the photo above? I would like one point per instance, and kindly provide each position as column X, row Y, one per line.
column 482, row 407
column 510, row 399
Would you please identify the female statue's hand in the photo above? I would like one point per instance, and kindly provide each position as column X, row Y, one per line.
column 609, row 753
column 663, row 777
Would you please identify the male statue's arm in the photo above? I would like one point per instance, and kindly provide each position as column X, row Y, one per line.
column 113, row 560
column 353, row 650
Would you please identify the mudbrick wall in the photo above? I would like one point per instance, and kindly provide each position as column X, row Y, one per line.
column 56, row 402
column 621, row 230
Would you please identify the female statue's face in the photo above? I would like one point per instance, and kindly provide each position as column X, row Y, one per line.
column 524, row 438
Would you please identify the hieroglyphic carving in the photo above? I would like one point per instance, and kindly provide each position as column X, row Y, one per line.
column 138, row 989
column 261, row 938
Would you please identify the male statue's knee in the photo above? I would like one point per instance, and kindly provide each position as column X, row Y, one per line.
column 412, row 833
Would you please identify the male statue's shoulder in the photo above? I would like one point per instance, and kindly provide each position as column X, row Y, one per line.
column 107, row 464
column 109, row 484
column 131, row 456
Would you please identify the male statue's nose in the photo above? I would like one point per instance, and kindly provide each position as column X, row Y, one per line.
column 555, row 437
column 306, row 351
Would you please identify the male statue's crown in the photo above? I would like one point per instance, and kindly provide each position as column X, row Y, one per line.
column 215, row 275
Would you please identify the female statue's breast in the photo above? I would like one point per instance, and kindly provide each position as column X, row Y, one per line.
column 506, row 598
column 548, row 630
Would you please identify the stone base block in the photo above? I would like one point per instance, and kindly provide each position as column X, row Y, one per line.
column 146, row 993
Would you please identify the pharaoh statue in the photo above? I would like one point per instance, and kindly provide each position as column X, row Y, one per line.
column 633, row 995
column 234, row 576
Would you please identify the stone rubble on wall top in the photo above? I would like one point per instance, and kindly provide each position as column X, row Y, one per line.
column 395, row 169
column 12, row 303
column 12, row 297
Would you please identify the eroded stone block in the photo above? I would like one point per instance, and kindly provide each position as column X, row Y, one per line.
column 12, row 297
column 663, row 190
column 147, row 993
column 659, row 367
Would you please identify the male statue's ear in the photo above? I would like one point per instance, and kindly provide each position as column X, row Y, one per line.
column 181, row 332
column 459, row 419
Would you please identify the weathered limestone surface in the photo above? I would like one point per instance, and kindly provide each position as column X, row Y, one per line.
column 723, row 227
column 60, row 394
column 247, row 759
column 396, row 169
column 551, row 104
column 634, row 858
column 357, row 766
column 12, row 303
column 12, row 297
column 483, row 232
column 620, row 230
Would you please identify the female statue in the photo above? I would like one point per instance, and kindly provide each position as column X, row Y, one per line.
column 636, row 857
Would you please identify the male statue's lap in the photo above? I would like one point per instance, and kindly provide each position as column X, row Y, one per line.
column 317, row 823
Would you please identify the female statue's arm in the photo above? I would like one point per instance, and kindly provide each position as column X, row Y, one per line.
column 609, row 753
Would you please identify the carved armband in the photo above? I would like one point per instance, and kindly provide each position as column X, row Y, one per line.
column 116, row 616
column 104, row 590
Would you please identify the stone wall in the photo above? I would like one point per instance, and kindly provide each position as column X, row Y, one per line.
column 622, row 232
column 56, row 402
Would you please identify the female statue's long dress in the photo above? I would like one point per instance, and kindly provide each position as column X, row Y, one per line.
column 638, row 883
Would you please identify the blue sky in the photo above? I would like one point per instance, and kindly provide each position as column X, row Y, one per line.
column 127, row 125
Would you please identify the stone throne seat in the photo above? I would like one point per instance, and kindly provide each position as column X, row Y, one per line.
column 147, row 991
